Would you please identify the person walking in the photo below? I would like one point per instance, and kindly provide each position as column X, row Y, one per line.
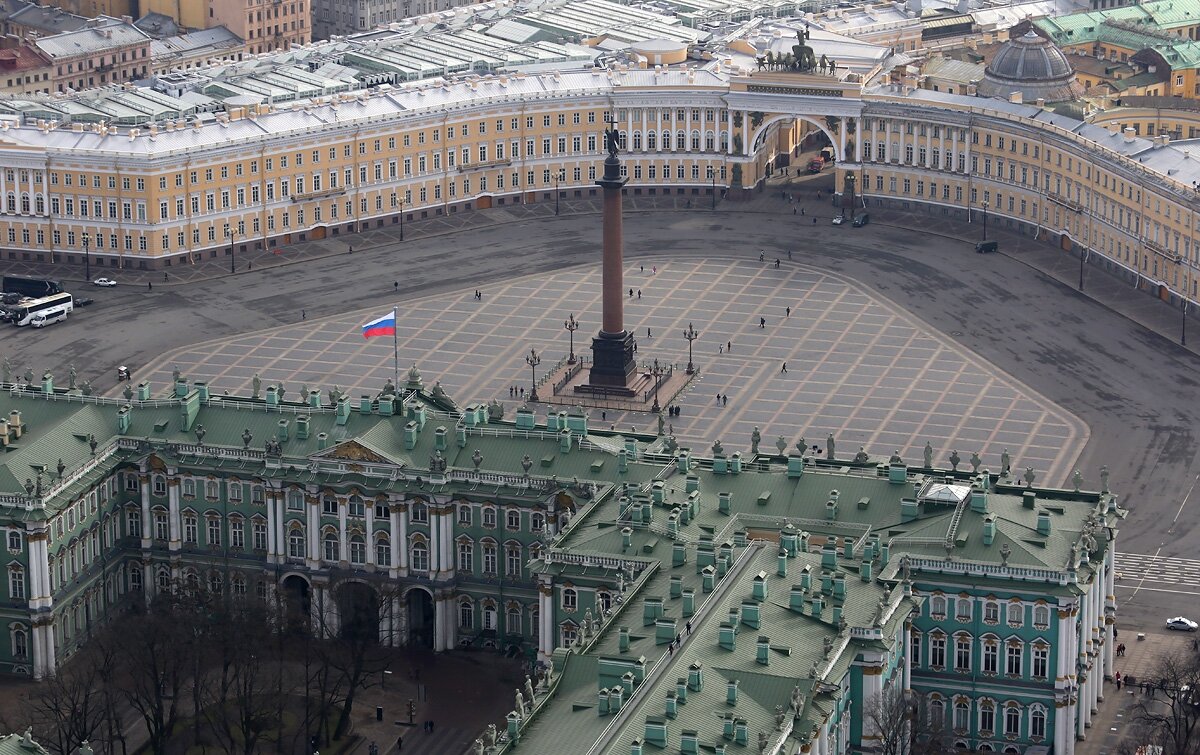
column 729, row 346
column 784, row 368
column 762, row 323
column 762, row 255
column 639, row 293
column 788, row 310
column 149, row 286
column 303, row 316
column 725, row 399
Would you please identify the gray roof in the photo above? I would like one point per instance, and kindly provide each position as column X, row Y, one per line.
column 217, row 38
column 46, row 18
column 106, row 34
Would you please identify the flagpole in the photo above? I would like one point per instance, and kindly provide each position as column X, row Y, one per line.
column 396, row 347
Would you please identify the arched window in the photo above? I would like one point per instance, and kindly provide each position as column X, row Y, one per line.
column 512, row 620
column 162, row 580
column 16, row 583
column 681, row 140
column 464, row 514
column 20, row 644
column 14, row 541
column 466, row 615
column 1041, row 616
column 985, row 747
column 1037, row 722
column 1012, row 720
column 489, row 516
column 987, row 718
column 189, row 486
column 419, row 512
column 1016, row 613
column 535, row 628
column 489, row 617
column 356, row 507
column 512, row 519
column 237, row 583
column 991, row 612
column 652, row 140
column 512, row 559
column 637, row 141
column 383, row 551
column 331, row 546
column 235, row 491
column 937, row 712
column 666, row 139
column 570, row 599
column 962, row 715
column 537, row 522
column 329, row 504
column 12, row 202
column 358, row 550
column 296, row 542
column 420, row 556
column 695, row 140
column 295, row 500
column 937, row 607
column 710, row 141
column 604, row 601
column 135, row 577
column 133, row 522
column 24, row 203
column 215, row 582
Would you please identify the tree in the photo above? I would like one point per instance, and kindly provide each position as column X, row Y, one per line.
column 1171, row 720
column 68, row 709
column 889, row 716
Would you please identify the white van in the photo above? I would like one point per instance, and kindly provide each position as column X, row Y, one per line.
column 48, row 317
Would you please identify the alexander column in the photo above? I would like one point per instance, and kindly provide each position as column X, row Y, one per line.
column 613, row 366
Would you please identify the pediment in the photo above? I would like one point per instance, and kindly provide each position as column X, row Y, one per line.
column 355, row 451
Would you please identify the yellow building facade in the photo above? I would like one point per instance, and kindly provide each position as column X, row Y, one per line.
column 263, row 178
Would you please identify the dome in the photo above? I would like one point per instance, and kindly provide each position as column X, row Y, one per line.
column 1034, row 67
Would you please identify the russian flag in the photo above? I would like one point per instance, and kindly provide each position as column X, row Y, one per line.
column 384, row 326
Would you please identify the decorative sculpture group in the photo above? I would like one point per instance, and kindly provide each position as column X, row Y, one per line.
column 801, row 59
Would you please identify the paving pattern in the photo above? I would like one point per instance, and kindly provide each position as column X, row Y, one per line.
column 856, row 366
column 1137, row 571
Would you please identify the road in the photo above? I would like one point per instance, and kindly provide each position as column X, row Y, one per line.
column 1134, row 389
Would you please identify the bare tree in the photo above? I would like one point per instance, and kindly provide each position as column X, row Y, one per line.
column 68, row 709
column 889, row 716
column 1171, row 720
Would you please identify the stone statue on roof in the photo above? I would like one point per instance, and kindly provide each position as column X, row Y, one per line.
column 255, row 386
column 1077, row 480
column 895, row 457
column 928, row 455
column 802, row 445
column 830, row 448
column 1104, row 478
column 175, row 374
column 1029, row 476
column 438, row 391
column 781, row 445
column 862, row 457
column 86, row 387
column 477, row 746
column 975, row 462
column 28, row 376
column 955, row 460
column 1005, row 462
column 128, row 392
column 71, row 376
column 717, row 448
column 662, row 424
column 755, row 439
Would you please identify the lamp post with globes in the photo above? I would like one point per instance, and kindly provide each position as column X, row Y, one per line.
column 559, row 176
column 1183, row 308
column 87, row 258
column 985, row 208
column 713, row 175
column 402, row 220
column 571, row 325
column 533, row 360
column 656, row 371
column 232, row 258
column 691, row 334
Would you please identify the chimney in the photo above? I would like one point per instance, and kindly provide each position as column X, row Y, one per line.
column 1129, row 134
column 1043, row 522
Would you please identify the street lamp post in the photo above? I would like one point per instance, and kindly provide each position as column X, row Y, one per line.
column 560, row 175
column 1083, row 255
column 656, row 371
column 87, row 258
column 571, row 325
column 1183, row 306
column 691, row 335
column 232, row 258
column 713, row 176
column 533, row 360
column 402, row 220
column 985, row 206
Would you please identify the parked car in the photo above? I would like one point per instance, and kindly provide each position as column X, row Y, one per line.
column 1181, row 624
column 986, row 247
column 104, row 282
column 862, row 220
column 839, row 219
column 83, row 301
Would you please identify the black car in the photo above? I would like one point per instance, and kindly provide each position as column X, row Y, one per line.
column 987, row 247
column 83, row 302
column 862, row 220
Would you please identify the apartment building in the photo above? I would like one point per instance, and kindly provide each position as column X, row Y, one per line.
column 265, row 25
column 25, row 70
column 340, row 17
column 105, row 51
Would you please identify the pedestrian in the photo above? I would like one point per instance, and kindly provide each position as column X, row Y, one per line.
column 149, row 286
column 671, row 649
column 762, row 255
column 720, row 348
column 642, row 268
column 631, row 293
column 718, row 398
column 647, row 329
column 729, row 346
column 303, row 316
column 793, row 210
column 814, row 221
column 431, row 726
column 603, row 415
column 802, row 211
column 762, row 322
column 789, row 255
column 352, row 249
column 1117, row 679
column 639, row 293
column 635, row 347
column 249, row 265
column 165, row 278
column 654, row 270
column 788, row 310
column 776, row 263
column 395, row 285
column 522, row 391
column 725, row 399
column 784, row 368
column 818, row 195
column 689, row 626
column 399, row 743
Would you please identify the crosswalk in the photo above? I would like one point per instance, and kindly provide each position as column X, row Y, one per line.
column 1137, row 570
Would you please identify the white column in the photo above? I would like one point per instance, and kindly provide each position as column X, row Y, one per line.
column 675, row 127
column 941, row 148
column 280, row 531
column 32, row 195
column 842, row 138
column 629, row 127
column 370, row 506
column 908, row 659
column 272, row 527
column 858, row 149
column 1110, row 598
column 872, row 679
column 147, row 525
column 3, row 191
column 399, row 542
column 658, row 130
column 645, row 144
column 343, row 535
column 954, row 149
column 173, row 523
column 439, row 624
column 545, row 620
column 747, row 134
column 448, row 540
column 729, row 126
column 400, row 516
column 928, row 146
column 314, row 533
column 39, row 569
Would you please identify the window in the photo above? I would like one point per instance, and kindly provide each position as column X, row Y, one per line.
column 962, row 653
column 329, row 505
column 937, row 713
column 1012, row 720
column 489, row 617
column 489, row 517
column 466, row 556
column 1037, row 723
column 937, row 607
column 466, row 615
column 356, row 507
column 464, row 514
column 962, row 609
column 235, row 491
column 419, row 512
column 512, row 620
column 20, row 644
column 160, row 524
column 1041, row 661
column 237, row 532
column 987, row 718
column 14, row 541
column 570, row 599
column 512, row 560
column 381, row 511
column 1015, row 614
column 358, row 550
column 189, row 529
column 133, row 522
column 296, row 543
column 937, row 652
column 16, row 583
column 160, row 485
column 214, row 532
column 383, row 551
column 1041, row 616
column 259, row 528
column 512, row 519
column 962, row 715
column 991, row 612
column 420, row 556
column 489, row 558
column 991, row 656
column 332, row 551
column 295, row 500
column 1012, row 663
column 569, row 633
column 916, row 648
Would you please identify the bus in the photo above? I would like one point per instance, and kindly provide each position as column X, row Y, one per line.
column 24, row 310
column 32, row 287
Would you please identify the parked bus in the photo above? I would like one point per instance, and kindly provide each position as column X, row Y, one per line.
column 23, row 311
column 32, row 287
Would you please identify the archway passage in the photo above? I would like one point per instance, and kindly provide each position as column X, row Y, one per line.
column 358, row 611
column 420, row 619
column 297, row 603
